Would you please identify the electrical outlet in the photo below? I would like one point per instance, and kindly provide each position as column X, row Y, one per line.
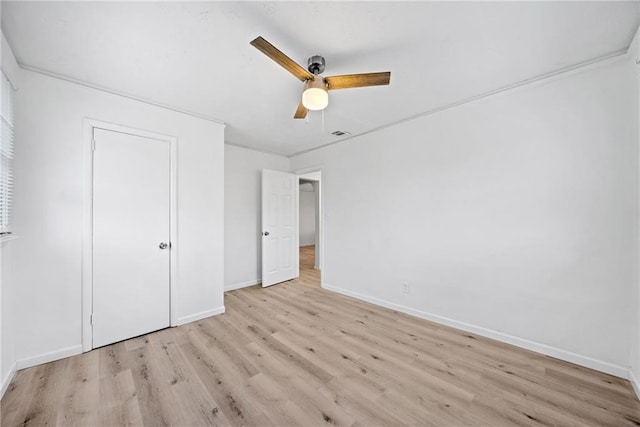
column 405, row 287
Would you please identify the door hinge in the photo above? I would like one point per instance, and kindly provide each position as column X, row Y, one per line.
column 93, row 145
column 91, row 319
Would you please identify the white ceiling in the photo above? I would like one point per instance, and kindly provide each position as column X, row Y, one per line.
column 197, row 57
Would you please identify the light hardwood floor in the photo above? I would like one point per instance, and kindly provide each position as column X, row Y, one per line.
column 295, row 354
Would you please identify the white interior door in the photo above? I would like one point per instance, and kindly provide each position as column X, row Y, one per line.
column 279, row 227
column 131, row 229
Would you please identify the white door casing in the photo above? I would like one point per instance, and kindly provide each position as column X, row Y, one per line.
column 131, row 221
column 280, row 257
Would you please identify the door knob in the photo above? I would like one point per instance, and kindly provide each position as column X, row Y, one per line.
column 163, row 245
column 266, row 233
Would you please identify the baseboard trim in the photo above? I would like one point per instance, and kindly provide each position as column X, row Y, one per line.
column 7, row 380
column 51, row 356
column 568, row 356
column 634, row 383
column 240, row 285
column 201, row 315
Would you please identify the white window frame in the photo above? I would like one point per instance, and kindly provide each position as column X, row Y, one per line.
column 7, row 129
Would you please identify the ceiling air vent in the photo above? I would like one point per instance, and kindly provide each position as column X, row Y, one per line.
column 340, row 132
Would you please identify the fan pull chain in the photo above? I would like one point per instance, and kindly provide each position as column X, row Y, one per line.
column 323, row 121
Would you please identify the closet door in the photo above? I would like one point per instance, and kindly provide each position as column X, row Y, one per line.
column 131, row 229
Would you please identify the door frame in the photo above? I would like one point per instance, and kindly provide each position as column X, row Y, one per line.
column 88, row 125
column 320, row 232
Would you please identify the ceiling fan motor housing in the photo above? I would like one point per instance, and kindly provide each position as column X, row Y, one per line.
column 315, row 64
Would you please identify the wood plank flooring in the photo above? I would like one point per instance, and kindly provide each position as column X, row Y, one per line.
column 295, row 354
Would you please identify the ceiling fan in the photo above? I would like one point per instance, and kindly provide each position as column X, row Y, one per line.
column 315, row 95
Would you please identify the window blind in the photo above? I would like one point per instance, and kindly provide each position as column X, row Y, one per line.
column 6, row 154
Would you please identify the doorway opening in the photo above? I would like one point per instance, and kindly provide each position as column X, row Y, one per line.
column 310, row 220
column 281, row 217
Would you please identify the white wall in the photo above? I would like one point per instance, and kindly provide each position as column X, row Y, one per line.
column 307, row 215
column 242, row 205
column 7, row 286
column 46, row 259
column 8, row 318
column 634, row 55
column 514, row 216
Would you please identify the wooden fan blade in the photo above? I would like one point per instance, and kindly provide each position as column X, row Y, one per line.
column 301, row 112
column 358, row 80
column 283, row 60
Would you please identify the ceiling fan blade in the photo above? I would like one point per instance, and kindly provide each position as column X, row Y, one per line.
column 301, row 112
column 283, row 60
column 358, row 80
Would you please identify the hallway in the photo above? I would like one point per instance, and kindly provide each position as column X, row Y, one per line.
column 308, row 275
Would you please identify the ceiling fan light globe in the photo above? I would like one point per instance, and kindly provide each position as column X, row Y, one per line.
column 315, row 96
column 315, row 99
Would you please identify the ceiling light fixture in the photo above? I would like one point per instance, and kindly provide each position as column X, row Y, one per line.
column 315, row 96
